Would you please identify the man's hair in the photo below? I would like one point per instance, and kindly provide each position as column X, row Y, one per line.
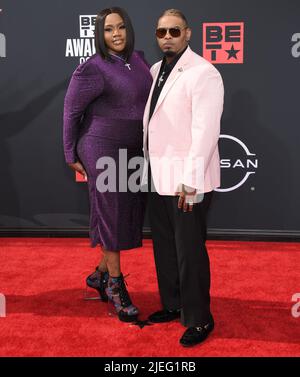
column 99, row 32
column 174, row 12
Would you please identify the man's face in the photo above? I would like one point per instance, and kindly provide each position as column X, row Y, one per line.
column 170, row 45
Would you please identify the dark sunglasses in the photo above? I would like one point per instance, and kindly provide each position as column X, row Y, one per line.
column 175, row 32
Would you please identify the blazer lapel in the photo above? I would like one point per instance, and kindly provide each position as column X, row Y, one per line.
column 174, row 75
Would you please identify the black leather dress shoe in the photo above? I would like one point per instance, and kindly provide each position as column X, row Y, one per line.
column 164, row 316
column 195, row 335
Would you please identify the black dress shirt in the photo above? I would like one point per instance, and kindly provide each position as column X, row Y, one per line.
column 164, row 73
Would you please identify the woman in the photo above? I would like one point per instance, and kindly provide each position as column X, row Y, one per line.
column 103, row 113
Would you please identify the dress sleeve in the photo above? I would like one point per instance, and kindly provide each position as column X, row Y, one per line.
column 85, row 85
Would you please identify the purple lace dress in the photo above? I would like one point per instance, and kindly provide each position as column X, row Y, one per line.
column 103, row 113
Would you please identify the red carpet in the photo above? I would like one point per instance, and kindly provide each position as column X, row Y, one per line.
column 43, row 281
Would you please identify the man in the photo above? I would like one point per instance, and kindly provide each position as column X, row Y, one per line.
column 181, row 132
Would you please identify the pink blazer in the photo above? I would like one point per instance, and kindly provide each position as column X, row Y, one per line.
column 184, row 129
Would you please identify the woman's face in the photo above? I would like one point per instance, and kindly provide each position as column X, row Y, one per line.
column 114, row 33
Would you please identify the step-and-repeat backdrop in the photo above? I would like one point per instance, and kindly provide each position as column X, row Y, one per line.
column 254, row 44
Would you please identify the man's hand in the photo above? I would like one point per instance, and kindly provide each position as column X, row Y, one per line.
column 186, row 197
column 77, row 166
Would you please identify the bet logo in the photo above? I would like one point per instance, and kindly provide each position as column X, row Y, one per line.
column 223, row 43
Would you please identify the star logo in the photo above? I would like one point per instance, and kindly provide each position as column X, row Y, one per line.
column 232, row 53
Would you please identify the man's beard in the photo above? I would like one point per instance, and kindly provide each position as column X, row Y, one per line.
column 170, row 54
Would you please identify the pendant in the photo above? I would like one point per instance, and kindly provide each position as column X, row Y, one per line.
column 128, row 66
column 160, row 80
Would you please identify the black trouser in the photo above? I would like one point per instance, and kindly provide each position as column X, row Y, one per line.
column 181, row 258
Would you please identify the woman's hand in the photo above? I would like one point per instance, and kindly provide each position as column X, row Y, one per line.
column 77, row 166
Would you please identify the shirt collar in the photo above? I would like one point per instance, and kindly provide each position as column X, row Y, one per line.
column 169, row 67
